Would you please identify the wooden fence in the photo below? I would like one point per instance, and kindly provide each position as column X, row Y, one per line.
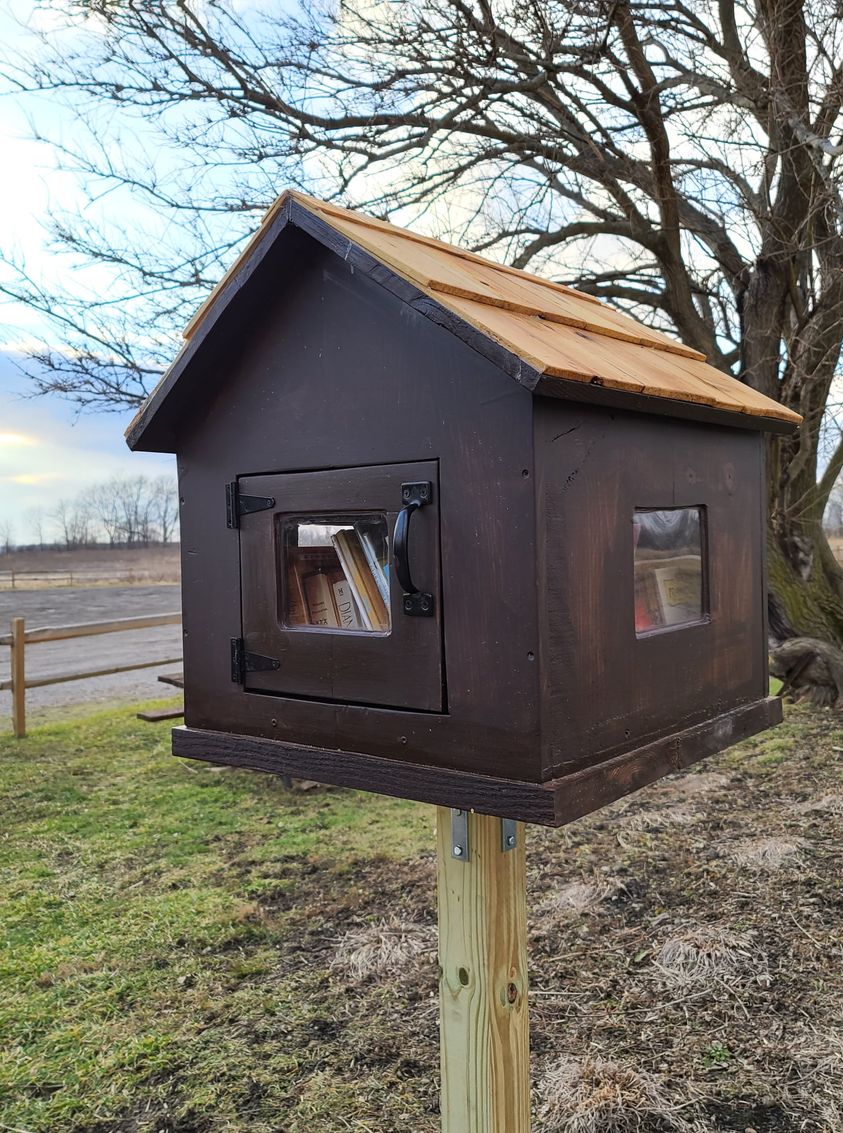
column 81, row 576
column 20, row 637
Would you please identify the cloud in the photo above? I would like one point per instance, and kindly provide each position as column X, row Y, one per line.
column 16, row 439
column 32, row 479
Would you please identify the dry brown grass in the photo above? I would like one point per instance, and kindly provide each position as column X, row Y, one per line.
column 766, row 855
column 593, row 1095
column 386, row 949
column 93, row 566
column 711, row 954
column 831, row 803
column 641, row 821
column 579, row 896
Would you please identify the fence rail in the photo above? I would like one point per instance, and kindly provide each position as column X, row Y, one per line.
column 20, row 637
column 70, row 576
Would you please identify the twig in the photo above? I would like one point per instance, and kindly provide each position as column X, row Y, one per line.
column 804, row 931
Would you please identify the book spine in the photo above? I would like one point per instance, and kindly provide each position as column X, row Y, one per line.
column 374, row 565
column 320, row 600
column 375, row 605
column 346, row 605
column 345, row 563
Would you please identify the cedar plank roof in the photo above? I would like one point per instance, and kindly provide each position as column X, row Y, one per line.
column 556, row 330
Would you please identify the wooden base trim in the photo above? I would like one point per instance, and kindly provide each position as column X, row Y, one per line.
column 549, row 804
column 590, row 788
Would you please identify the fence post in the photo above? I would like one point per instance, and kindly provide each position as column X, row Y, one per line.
column 18, row 677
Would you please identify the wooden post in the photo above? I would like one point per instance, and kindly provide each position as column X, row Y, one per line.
column 484, row 1031
column 18, row 675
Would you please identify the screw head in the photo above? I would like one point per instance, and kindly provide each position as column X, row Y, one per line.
column 457, row 851
column 510, row 839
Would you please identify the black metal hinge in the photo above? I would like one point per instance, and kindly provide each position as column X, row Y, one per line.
column 236, row 504
column 243, row 662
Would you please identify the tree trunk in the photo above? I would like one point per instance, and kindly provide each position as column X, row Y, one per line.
column 810, row 606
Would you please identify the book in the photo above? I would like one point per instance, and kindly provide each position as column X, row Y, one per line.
column 648, row 609
column 377, row 567
column 359, row 574
column 319, row 597
column 301, row 562
column 679, row 583
column 353, row 581
column 296, row 613
column 349, row 617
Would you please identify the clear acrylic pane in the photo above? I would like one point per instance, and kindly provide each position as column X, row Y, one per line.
column 336, row 573
column 668, row 568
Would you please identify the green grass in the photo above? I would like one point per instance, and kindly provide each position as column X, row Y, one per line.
column 130, row 890
column 174, row 941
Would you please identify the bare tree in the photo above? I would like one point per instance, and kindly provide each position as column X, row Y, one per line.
column 165, row 507
column 106, row 508
column 7, row 536
column 74, row 522
column 681, row 160
column 35, row 524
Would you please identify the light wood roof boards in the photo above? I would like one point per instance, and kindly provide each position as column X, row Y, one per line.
column 558, row 331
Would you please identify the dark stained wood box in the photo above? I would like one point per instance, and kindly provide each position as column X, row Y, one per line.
column 591, row 547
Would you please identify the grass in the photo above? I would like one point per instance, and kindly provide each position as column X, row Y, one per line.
column 137, row 944
column 187, row 949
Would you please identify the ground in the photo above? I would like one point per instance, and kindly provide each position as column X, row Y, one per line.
column 93, row 565
column 195, row 950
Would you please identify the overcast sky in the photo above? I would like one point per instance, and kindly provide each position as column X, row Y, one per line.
column 47, row 450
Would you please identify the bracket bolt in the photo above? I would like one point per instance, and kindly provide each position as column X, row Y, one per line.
column 457, row 851
column 510, row 839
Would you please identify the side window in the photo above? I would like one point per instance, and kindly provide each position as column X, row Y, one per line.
column 670, row 582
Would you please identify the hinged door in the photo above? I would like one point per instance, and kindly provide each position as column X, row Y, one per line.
column 340, row 586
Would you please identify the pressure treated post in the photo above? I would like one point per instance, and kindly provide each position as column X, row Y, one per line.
column 484, row 1031
column 18, row 675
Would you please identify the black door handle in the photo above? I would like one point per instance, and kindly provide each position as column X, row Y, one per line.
column 415, row 602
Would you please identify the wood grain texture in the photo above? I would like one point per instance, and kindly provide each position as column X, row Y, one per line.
column 484, row 1029
column 552, row 803
column 18, row 677
column 551, row 328
column 606, row 690
column 401, row 669
column 342, row 375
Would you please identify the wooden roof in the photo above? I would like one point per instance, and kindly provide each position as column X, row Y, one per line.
column 557, row 331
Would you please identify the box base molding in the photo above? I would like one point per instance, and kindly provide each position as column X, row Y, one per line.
column 552, row 803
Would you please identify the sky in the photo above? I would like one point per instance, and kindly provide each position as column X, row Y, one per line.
column 48, row 450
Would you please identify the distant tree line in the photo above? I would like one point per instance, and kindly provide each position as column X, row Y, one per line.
column 124, row 511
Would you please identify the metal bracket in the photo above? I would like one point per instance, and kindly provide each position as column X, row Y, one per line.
column 418, row 492
column 460, row 847
column 509, row 834
column 243, row 662
column 237, row 504
column 418, row 605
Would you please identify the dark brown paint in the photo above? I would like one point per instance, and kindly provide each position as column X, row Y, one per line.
column 324, row 380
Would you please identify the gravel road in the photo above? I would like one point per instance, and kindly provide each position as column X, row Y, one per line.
column 67, row 606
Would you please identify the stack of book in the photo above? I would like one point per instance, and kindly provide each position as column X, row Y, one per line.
column 341, row 586
column 668, row 592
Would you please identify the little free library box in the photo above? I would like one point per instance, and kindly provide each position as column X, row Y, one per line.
column 456, row 533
